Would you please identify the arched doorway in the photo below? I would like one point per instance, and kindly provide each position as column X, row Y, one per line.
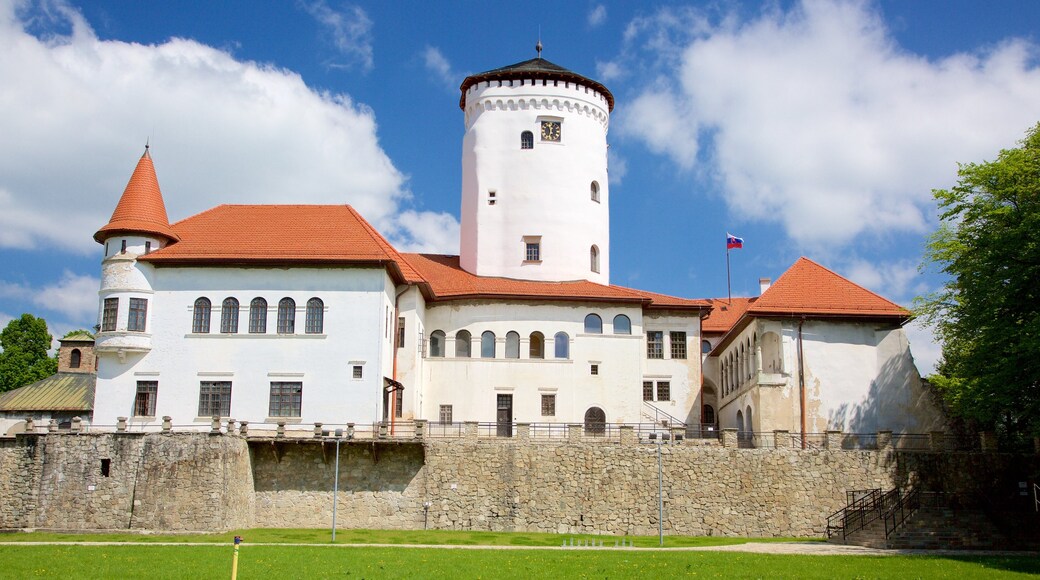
column 595, row 422
column 740, row 423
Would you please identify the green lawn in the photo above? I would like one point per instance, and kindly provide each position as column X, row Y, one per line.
column 439, row 537
column 257, row 561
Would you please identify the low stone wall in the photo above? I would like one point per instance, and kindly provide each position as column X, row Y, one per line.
column 219, row 482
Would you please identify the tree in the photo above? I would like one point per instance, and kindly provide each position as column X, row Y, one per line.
column 987, row 315
column 24, row 360
column 78, row 331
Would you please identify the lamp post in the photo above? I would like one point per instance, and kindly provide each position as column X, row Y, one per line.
column 335, row 485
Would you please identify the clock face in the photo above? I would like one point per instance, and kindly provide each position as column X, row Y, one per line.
column 550, row 130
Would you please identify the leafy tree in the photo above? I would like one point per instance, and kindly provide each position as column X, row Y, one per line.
column 78, row 331
column 987, row 316
column 24, row 360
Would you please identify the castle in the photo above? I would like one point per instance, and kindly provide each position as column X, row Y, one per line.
column 298, row 314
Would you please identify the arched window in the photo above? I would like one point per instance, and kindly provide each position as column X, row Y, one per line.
column 595, row 191
column 229, row 316
column 708, row 415
column 705, row 347
column 200, row 319
column 75, row 357
column 594, row 259
column 437, row 343
column 527, row 140
column 487, row 344
column 286, row 316
column 537, row 349
column 512, row 344
column 562, row 344
column 462, row 344
column 595, row 421
column 258, row 316
column 593, row 324
column 315, row 316
column 622, row 325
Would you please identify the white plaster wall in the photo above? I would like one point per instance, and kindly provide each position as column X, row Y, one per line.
column 412, row 307
column 471, row 385
column 544, row 191
column 355, row 313
column 684, row 374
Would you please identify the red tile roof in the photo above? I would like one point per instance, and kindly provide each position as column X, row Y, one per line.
column 725, row 313
column 141, row 208
column 280, row 234
column 446, row 280
column 810, row 289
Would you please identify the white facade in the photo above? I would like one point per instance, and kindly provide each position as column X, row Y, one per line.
column 554, row 194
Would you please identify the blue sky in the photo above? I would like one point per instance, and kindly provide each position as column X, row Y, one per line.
column 812, row 128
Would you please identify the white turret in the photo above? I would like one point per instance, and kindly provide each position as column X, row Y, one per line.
column 535, row 200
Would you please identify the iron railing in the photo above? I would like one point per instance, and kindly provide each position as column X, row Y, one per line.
column 864, row 506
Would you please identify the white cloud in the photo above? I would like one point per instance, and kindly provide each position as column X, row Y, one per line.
column 74, row 295
column 609, row 71
column 618, row 167
column 427, row 232
column 894, row 280
column 350, row 29
column 597, row 16
column 222, row 131
column 816, row 119
column 438, row 65
column 926, row 349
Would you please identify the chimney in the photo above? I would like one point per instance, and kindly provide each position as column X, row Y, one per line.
column 763, row 285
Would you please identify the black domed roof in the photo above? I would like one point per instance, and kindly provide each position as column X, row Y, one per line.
column 537, row 68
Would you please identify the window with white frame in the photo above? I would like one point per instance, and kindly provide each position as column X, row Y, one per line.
column 532, row 249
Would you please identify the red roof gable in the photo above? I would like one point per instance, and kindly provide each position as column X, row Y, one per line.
column 279, row 234
column 446, row 280
column 810, row 289
column 141, row 208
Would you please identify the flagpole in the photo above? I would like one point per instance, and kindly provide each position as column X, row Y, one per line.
column 729, row 288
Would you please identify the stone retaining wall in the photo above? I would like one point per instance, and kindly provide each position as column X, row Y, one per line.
column 220, row 482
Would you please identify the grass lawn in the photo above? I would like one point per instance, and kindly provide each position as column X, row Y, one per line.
column 259, row 561
column 438, row 537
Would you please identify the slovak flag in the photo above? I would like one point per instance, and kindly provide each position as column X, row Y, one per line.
column 734, row 242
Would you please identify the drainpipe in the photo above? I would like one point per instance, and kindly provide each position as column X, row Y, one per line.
column 394, row 322
column 801, row 378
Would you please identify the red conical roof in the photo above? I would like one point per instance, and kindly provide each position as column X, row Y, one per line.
column 141, row 209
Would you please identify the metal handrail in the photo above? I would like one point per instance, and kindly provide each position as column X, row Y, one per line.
column 659, row 412
column 856, row 515
column 904, row 508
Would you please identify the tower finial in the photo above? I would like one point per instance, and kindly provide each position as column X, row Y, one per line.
column 538, row 47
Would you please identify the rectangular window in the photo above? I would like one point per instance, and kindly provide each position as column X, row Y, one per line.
column 533, row 252
column 399, row 403
column 286, row 399
column 109, row 314
column 144, row 402
column 654, row 344
column 648, row 390
column 445, row 416
column 548, row 405
column 664, row 391
column 358, row 372
column 147, row 247
column 122, row 247
column 400, row 332
column 215, row 399
column 138, row 311
column 593, row 370
column 678, row 340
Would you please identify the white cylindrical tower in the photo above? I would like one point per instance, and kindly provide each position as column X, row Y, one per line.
column 535, row 199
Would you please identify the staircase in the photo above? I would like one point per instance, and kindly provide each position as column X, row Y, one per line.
column 943, row 528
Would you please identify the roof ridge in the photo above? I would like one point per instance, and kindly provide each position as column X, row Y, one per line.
column 864, row 288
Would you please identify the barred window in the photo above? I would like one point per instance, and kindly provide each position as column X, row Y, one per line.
column 229, row 316
column 487, row 344
column 258, row 316
column 512, row 344
column 655, row 344
column 315, row 316
column 678, row 340
column 144, row 401
column 286, row 316
column 527, row 140
column 648, row 390
column 548, row 405
column 593, row 324
column 562, row 345
column 622, row 324
column 437, row 343
column 138, row 313
column 286, row 399
column 445, row 414
column 462, row 344
column 215, row 399
column 664, row 392
column 200, row 319
column 109, row 314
